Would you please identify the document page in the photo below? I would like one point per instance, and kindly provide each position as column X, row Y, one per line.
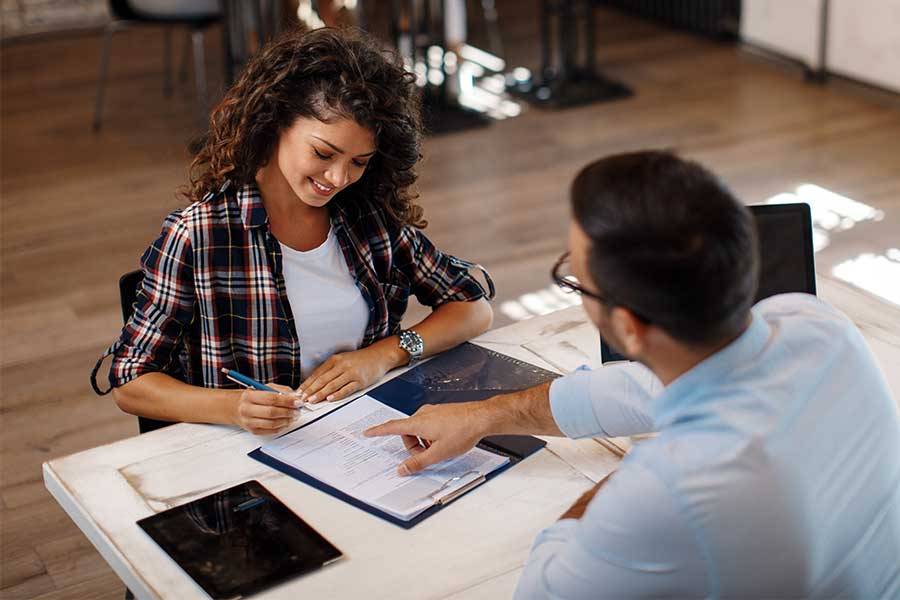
column 334, row 451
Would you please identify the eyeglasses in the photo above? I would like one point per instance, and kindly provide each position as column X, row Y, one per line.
column 569, row 283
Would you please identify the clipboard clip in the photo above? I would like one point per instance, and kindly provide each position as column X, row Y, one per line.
column 452, row 493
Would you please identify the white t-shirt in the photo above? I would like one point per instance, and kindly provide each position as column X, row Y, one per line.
column 330, row 313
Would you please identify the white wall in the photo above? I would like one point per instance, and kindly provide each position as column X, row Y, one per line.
column 788, row 27
column 864, row 40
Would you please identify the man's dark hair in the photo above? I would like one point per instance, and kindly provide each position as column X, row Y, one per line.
column 669, row 242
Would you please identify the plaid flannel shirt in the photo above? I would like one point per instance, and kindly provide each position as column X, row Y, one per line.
column 213, row 293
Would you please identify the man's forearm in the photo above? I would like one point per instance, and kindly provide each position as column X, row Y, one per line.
column 453, row 429
column 523, row 413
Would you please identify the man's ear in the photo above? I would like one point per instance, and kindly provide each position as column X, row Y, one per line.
column 629, row 330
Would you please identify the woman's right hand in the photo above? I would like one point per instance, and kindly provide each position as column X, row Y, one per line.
column 265, row 413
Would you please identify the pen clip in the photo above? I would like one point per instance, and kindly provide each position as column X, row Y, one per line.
column 452, row 491
column 455, row 493
column 237, row 381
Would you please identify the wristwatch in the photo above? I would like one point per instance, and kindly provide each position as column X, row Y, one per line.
column 413, row 343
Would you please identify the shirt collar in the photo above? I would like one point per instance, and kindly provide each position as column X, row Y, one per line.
column 253, row 213
column 688, row 387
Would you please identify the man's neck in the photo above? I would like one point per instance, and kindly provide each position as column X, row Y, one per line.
column 672, row 359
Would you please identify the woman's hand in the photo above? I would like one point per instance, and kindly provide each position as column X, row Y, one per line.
column 265, row 413
column 348, row 372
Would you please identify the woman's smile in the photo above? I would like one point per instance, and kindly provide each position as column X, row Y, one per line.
column 321, row 189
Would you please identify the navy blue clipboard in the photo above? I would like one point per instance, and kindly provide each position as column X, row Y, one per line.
column 465, row 373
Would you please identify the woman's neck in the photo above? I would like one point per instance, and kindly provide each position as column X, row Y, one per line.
column 293, row 222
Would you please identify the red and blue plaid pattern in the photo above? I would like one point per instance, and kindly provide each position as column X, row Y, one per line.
column 213, row 292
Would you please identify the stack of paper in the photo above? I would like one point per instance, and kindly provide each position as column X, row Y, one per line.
column 334, row 451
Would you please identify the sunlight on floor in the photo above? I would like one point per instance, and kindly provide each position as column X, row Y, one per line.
column 833, row 214
column 878, row 274
column 537, row 303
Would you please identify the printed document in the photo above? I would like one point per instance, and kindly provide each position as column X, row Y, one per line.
column 334, row 451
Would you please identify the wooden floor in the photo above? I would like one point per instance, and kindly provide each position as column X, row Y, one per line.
column 78, row 209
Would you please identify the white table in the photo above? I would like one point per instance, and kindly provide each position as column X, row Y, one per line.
column 474, row 548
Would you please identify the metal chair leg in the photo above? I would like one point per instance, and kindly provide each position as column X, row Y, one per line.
column 185, row 58
column 491, row 20
column 167, row 63
column 104, row 69
column 199, row 70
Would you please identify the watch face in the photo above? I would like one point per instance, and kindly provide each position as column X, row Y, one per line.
column 412, row 343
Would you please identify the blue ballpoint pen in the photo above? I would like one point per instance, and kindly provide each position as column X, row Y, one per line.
column 245, row 381
column 249, row 382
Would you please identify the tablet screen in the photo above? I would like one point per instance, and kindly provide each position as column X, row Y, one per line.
column 239, row 541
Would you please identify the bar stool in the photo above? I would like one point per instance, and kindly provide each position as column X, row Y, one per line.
column 196, row 15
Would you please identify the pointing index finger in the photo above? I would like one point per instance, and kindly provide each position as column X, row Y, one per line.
column 423, row 459
column 392, row 427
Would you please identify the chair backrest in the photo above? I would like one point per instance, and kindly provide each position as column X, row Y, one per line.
column 187, row 12
column 121, row 9
column 128, row 287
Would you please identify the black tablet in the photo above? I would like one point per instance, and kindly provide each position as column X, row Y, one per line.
column 238, row 541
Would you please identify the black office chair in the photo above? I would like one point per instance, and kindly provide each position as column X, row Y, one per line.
column 125, row 15
column 128, row 287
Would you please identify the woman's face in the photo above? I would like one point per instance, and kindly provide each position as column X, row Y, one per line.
column 319, row 159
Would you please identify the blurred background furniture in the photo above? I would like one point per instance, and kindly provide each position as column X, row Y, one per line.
column 856, row 39
column 568, row 73
column 713, row 18
column 419, row 29
column 248, row 25
column 195, row 15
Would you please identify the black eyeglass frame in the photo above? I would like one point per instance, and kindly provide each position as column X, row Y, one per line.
column 572, row 285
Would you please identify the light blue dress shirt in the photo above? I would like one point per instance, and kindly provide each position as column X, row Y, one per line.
column 776, row 473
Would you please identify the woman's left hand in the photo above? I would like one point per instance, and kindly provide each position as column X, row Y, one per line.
column 345, row 373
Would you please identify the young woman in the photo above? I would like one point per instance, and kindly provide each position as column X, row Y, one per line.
column 296, row 259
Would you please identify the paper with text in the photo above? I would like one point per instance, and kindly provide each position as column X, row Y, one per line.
column 334, row 451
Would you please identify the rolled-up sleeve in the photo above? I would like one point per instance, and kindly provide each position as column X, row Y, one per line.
column 436, row 277
column 609, row 401
column 149, row 342
column 631, row 542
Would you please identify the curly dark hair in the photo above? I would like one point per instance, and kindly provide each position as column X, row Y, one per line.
column 325, row 74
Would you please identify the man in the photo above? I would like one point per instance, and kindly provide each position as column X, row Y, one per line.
column 776, row 469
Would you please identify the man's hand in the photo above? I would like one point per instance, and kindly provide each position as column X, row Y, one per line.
column 577, row 510
column 447, row 430
column 345, row 373
column 264, row 413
